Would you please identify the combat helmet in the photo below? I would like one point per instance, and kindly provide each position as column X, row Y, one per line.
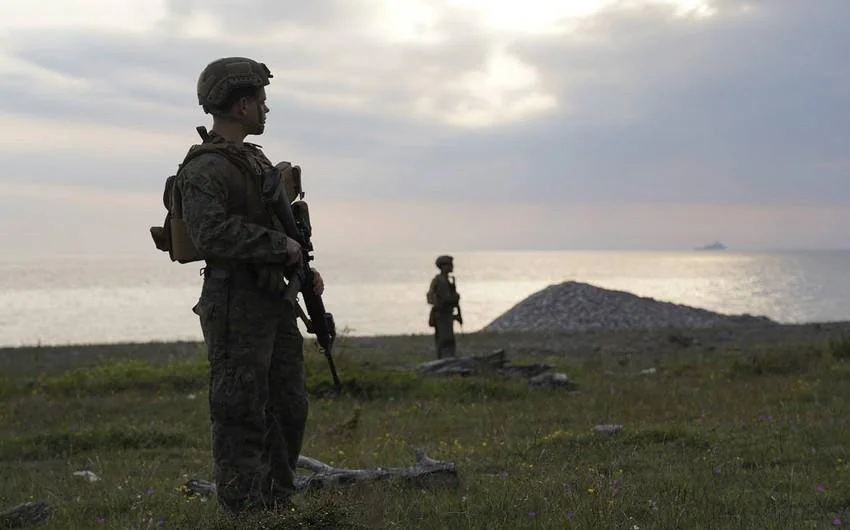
column 444, row 260
column 224, row 75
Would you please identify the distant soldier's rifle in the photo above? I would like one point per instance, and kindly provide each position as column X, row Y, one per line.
column 457, row 316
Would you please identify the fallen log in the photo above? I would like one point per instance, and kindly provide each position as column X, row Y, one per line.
column 426, row 472
column 554, row 380
column 524, row 371
column 464, row 365
column 497, row 363
column 23, row 515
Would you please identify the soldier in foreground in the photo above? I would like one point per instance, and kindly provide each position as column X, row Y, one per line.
column 257, row 396
column 444, row 298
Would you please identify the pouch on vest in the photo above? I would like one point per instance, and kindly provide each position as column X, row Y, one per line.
column 173, row 236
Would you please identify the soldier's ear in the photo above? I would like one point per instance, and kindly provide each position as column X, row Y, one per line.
column 244, row 105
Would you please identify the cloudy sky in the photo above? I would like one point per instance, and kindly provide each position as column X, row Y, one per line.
column 443, row 124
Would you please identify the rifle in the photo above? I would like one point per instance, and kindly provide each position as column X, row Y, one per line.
column 459, row 315
column 295, row 218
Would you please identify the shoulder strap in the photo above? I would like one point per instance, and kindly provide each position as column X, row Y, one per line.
column 239, row 160
column 208, row 146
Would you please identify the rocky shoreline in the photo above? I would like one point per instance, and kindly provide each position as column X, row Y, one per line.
column 575, row 306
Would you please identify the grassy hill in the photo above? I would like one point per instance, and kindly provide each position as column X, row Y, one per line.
column 728, row 431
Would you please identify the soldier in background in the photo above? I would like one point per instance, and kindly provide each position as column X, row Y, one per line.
column 444, row 298
column 257, row 395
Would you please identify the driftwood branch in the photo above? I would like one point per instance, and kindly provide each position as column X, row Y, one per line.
column 475, row 364
column 425, row 472
column 497, row 363
column 24, row 515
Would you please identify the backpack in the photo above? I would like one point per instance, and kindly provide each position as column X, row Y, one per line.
column 431, row 295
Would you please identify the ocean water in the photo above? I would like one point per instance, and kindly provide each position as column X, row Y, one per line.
column 97, row 299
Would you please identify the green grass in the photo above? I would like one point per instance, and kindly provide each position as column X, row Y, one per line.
column 750, row 439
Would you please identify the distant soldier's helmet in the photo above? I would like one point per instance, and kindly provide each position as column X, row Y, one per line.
column 444, row 260
column 222, row 76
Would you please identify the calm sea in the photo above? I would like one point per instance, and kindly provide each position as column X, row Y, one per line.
column 92, row 299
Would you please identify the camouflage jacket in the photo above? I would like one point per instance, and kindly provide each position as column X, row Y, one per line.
column 223, row 207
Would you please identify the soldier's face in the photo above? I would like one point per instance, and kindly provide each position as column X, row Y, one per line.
column 255, row 114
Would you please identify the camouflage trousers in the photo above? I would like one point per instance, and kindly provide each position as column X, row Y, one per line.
column 257, row 396
column 444, row 334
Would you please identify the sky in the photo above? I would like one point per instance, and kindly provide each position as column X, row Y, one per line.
column 442, row 125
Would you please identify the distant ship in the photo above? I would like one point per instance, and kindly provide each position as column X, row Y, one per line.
column 717, row 245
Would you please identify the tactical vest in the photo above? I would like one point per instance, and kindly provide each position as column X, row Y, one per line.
column 244, row 183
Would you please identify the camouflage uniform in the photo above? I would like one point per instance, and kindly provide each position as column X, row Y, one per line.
column 443, row 297
column 257, row 398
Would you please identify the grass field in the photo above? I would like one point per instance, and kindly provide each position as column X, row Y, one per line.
column 747, row 437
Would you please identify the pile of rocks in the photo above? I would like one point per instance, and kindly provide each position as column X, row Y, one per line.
column 575, row 306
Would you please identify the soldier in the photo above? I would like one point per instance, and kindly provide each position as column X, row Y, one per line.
column 257, row 396
column 443, row 297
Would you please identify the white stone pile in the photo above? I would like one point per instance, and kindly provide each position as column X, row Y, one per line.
column 575, row 306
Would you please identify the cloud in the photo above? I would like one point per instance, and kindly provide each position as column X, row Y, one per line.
column 731, row 103
column 127, row 16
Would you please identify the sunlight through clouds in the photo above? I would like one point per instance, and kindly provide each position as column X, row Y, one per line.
column 530, row 16
column 695, row 8
column 505, row 89
column 500, row 87
column 558, row 16
column 201, row 25
column 408, row 22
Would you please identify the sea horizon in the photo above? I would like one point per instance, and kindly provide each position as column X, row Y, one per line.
column 93, row 299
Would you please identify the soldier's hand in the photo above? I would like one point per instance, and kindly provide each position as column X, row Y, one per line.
column 293, row 252
column 318, row 283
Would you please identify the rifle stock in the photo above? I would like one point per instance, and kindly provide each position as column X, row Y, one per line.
column 295, row 218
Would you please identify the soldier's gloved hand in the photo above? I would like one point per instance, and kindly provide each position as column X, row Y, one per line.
column 318, row 283
column 293, row 252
